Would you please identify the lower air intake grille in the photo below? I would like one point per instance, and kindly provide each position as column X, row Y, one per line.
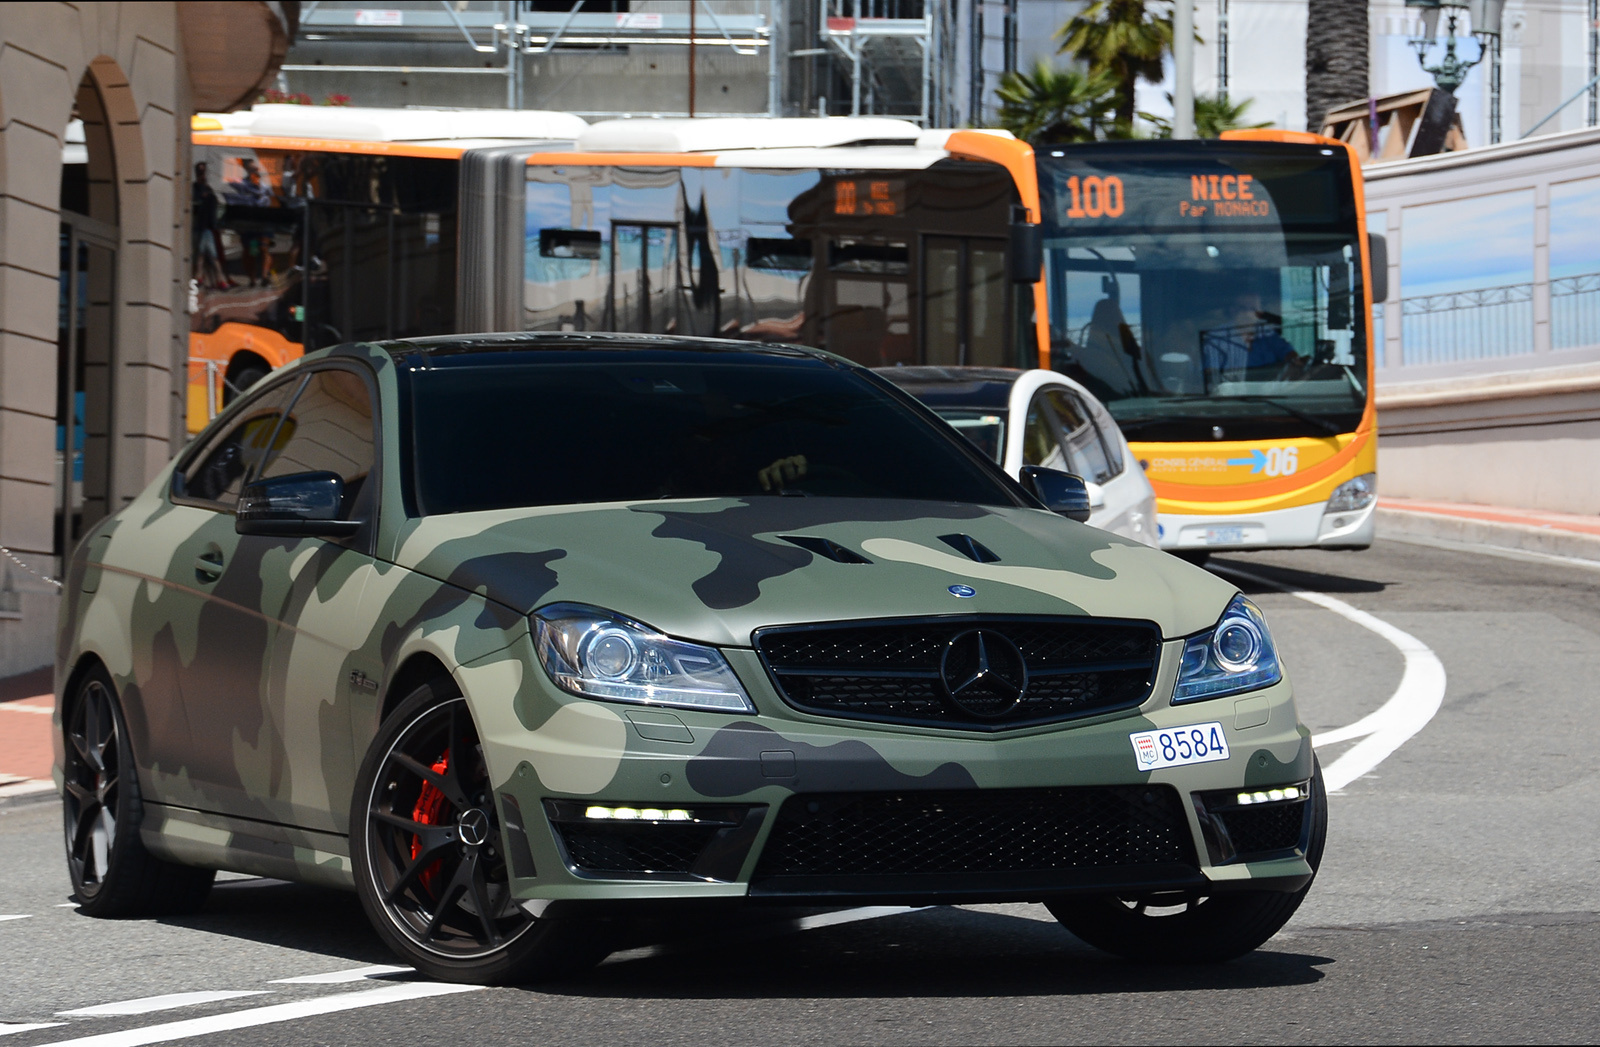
column 977, row 831
column 963, row 672
column 1264, row 828
column 636, row 848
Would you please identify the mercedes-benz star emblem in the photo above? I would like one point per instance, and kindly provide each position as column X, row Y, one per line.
column 473, row 827
column 983, row 673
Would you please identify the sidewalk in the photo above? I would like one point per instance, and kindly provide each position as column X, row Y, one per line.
column 25, row 707
column 1528, row 530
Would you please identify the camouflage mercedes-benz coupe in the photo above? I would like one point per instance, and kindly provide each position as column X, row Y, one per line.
column 513, row 634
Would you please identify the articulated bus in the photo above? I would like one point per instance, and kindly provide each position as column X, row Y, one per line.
column 1216, row 295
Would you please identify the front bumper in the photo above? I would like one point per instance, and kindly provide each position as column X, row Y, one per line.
column 1302, row 527
column 703, row 795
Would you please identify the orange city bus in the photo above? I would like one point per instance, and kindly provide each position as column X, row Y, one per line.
column 1215, row 295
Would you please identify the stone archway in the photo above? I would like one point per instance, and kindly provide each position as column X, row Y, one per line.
column 86, row 343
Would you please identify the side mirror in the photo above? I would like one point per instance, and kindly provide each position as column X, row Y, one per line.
column 1026, row 249
column 301, row 505
column 1097, row 494
column 1060, row 492
column 1378, row 248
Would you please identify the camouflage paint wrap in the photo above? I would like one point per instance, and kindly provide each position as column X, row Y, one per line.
column 250, row 702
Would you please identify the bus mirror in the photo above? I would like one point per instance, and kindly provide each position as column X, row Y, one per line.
column 1027, row 252
column 1378, row 248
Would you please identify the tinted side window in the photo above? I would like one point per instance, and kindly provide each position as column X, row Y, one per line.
column 218, row 471
column 1040, row 444
column 1079, row 438
column 332, row 432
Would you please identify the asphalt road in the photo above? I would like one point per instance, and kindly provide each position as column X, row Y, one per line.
column 1458, row 900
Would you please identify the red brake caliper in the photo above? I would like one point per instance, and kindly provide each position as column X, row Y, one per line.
column 430, row 806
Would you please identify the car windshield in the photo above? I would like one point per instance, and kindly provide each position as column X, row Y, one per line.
column 589, row 427
column 986, row 429
column 1215, row 289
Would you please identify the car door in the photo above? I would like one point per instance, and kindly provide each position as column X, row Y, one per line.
column 291, row 755
column 210, row 647
column 316, row 605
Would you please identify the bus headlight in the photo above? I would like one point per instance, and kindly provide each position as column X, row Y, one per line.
column 1236, row 655
column 1353, row 494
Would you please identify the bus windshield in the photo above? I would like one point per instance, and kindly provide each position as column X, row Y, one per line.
column 1207, row 290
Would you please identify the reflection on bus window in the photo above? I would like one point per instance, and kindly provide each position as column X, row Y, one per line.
column 773, row 255
column 1252, row 314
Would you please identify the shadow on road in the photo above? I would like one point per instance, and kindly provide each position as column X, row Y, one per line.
column 311, row 919
column 940, row 952
column 1299, row 578
column 758, row 953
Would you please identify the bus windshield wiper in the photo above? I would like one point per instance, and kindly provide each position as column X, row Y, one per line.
column 1321, row 423
column 1289, row 409
column 1141, row 423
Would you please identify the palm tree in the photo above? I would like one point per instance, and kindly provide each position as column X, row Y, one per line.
column 1336, row 57
column 1057, row 105
column 1121, row 38
column 1212, row 116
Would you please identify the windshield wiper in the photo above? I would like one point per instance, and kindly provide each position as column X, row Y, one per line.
column 1143, row 423
column 1310, row 419
column 1289, row 409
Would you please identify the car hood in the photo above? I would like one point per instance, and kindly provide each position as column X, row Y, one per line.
column 714, row 570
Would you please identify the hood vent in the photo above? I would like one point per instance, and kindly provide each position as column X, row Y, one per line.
column 969, row 547
column 825, row 547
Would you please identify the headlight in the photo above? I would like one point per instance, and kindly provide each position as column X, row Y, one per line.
column 1353, row 494
column 1237, row 655
column 597, row 654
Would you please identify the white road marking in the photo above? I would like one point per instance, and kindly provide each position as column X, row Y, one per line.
column 22, row 916
column 7, row 1028
column 1408, row 710
column 14, row 708
column 253, row 1016
column 159, row 1003
column 66, row 905
column 354, row 974
column 866, row 912
column 805, row 923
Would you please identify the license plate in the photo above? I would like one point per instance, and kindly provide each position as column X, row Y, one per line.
column 1224, row 536
column 1176, row 746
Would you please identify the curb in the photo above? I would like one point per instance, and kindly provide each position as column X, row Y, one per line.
column 1526, row 537
column 28, row 791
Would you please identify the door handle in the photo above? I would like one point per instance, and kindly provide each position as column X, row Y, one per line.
column 208, row 566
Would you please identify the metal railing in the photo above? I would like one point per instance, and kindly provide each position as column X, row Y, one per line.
column 1467, row 325
column 1575, row 311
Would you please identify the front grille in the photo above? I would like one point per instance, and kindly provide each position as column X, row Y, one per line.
column 923, row 834
column 896, row 671
column 635, row 848
column 1259, row 829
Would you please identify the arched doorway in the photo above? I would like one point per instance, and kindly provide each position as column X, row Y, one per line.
column 86, row 355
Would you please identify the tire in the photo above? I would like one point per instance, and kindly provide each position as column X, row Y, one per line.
column 1206, row 930
column 423, row 882
column 1198, row 557
column 113, row 875
column 242, row 379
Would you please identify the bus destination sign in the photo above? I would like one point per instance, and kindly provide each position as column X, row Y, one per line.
column 1167, row 199
column 868, row 197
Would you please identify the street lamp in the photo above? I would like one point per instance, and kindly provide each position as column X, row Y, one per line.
column 1451, row 72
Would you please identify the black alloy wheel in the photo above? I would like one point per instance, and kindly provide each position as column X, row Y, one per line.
column 112, row 872
column 428, row 856
column 1181, row 929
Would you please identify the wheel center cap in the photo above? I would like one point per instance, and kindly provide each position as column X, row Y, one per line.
column 472, row 828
